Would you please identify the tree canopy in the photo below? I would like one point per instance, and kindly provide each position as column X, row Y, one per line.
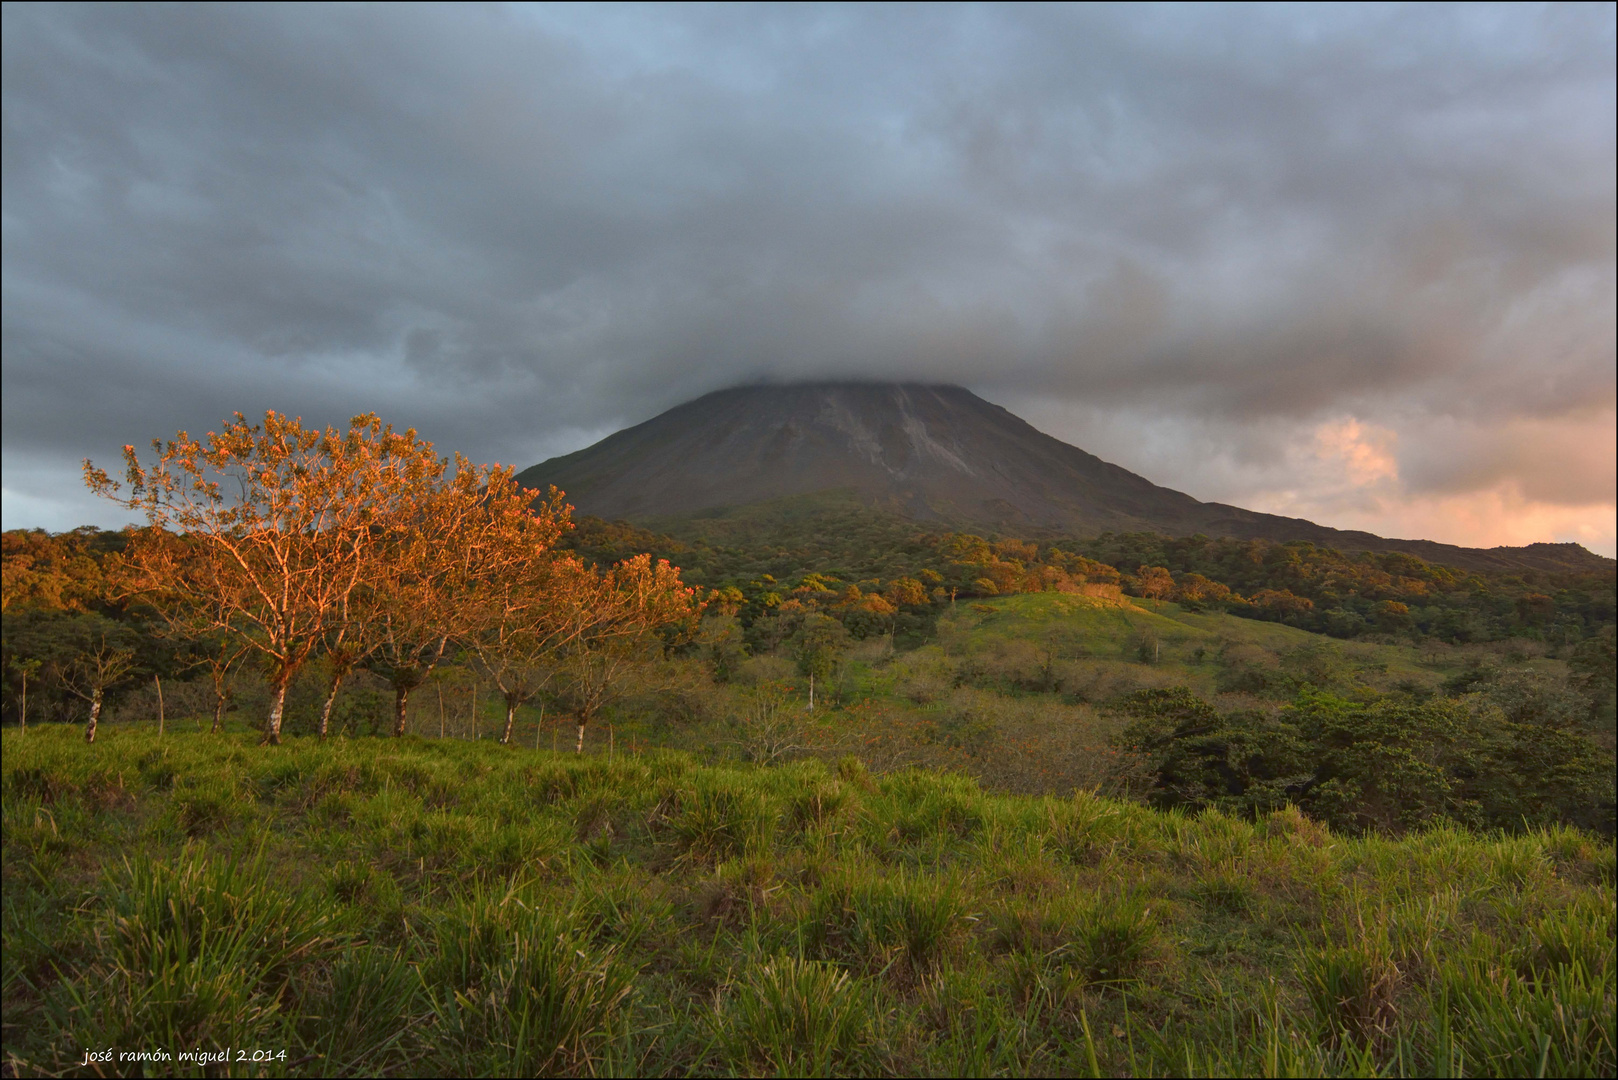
column 283, row 540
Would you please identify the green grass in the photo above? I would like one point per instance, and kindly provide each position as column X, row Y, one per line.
column 372, row 906
column 1095, row 629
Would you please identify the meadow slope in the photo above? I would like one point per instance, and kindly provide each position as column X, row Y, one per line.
column 448, row 907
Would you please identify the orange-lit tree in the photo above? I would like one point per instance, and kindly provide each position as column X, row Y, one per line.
column 522, row 622
column 478, row 542
column 619, row 612
column 264, row 533
column 53, row 573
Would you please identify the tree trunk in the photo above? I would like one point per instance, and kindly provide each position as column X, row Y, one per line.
column 401, row 698
column 218, row 712
column 440, row 710
column 811, row 692
column 277, row 707
column 159, row 683
column 511, row 719
column 25, row 703
column 539, row 725
column 325, row 709
column 580, row 748
column 95, row 715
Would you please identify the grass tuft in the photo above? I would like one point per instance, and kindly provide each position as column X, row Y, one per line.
column 794, row 1017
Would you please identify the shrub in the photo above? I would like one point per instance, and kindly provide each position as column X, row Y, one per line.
column 1352, row 988
column 716, row 821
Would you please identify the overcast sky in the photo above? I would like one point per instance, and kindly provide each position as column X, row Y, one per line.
column 1354, row 264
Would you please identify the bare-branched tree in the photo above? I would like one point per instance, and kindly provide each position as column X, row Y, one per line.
column 94, row 668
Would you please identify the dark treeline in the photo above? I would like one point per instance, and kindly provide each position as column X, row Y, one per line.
column 1386, row 764
column 805, row 590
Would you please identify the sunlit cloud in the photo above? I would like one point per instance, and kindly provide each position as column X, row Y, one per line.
column 1477, row 519
column 1363, row 451
column 1519, row 481
column 1353, row 479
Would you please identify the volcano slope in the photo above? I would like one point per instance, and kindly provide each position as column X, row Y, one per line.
column 932, row 453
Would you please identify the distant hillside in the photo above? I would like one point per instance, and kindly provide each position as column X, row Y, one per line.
column 930, row 453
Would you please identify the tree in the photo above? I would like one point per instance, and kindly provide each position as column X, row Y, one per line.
column 1154, row 582
column 1281, row 604
column 523, row 618
column 723, row 642
column 346, row 649
column 906, row 591
column 221, row 658
column 1594, row 664
column 473, row 556
column 413, row 636
column 23, row 667
column 816, row 647
column 1194, row 591
column 766, row 729
column 102, row 656
column 619, row 612
column 50, row 573
column 1197, row 757
column 264, row 533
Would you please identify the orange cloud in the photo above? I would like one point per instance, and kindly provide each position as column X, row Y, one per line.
column 1365, row 451
column 1351, row 480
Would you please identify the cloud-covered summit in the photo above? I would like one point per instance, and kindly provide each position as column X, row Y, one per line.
column 1354, row 264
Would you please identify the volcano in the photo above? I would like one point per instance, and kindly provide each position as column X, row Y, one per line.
column 933, row 453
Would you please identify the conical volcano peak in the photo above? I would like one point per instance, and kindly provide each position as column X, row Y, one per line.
column 886, row 423
column 930, row 451
column 937, row 450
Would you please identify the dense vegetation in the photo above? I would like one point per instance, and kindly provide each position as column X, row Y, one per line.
column 1368, row 595
column 455, row 908
column 1035, row 668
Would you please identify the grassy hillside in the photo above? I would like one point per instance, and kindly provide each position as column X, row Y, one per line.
column 1021, row 690
column 1097, row 628
column 454, row 907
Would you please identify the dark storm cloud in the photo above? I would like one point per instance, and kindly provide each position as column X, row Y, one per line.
column 518, row 228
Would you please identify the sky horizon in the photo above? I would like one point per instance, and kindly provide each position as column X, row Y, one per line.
column 1350, row 264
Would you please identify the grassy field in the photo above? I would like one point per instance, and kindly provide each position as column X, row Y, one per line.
column 1016, row 690
column 446, row 907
